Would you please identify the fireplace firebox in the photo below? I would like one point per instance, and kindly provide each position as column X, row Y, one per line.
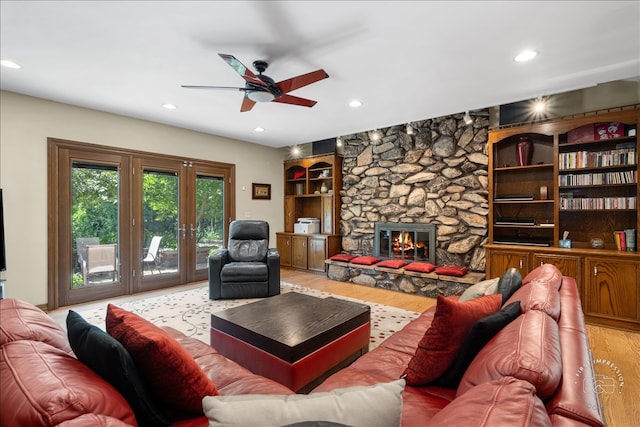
column 408, row 242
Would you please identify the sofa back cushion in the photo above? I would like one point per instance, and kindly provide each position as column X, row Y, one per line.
column 528, row 349
column 45, row 386
column 545, row 273
column 503, row 402
column 538, row 295
column 24, row 321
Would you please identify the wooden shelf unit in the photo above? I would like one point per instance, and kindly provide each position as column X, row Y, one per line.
column 304, row 197
column 585, row 199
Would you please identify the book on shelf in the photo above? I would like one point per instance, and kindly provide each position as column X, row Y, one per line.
column 513, row 197
column 621, row 240
column 515, row 221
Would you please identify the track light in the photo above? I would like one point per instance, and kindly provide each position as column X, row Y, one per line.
column 409, row 129
column 339, row 141
column 467, row 118
column 375, row 136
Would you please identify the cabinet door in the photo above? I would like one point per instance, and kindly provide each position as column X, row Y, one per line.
column 299, row 251
column 283, row 243
column 611, row 289
column 317, row 253
column 500, row 261
column 567, row 264
column 289, row 214
column 327, row 215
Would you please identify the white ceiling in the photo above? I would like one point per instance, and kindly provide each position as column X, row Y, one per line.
column 406, row 61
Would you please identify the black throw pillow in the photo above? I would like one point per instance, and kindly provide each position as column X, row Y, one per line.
column 109, row 359
column 510, row 281
column 480, row 334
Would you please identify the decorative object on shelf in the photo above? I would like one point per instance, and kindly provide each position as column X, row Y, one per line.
column 325, row 172
column 323, row 188
column 524, row 149
column 565, row 242
column 597, row 243
column 543, row 192
column 298, row 175
column 630, row 236
column 299, row 189
column 261, row 191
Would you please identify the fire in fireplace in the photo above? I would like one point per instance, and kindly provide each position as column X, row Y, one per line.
column 409, row 242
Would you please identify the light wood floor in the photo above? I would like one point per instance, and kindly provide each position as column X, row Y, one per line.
column 615, row 352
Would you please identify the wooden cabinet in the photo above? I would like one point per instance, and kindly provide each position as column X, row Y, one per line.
column 307, row 251
column 572, row 181
column 299, row 245
column 312, row 190
column 611, row 294
column 283, row 243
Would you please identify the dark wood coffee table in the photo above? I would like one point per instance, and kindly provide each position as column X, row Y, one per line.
column 292, row 338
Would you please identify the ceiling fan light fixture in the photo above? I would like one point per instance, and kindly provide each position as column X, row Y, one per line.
column 260, row 96
column 467, row 118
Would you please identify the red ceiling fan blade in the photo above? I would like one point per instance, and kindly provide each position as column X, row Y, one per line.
column 301, row 80
column 244, row 72
column 247, row 104
column 289, row 99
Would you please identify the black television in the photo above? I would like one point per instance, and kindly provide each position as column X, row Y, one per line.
column 3, row 257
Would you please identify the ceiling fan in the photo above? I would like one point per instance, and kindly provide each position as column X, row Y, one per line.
column 262, row 88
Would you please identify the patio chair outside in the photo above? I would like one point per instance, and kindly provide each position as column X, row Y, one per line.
column 101, row 259
column 151, row 258
column 81, row 247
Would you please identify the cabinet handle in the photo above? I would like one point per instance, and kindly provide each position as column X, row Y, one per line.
column 521, row 263
column 287, row 243
column 595, row 270
column 541, row 263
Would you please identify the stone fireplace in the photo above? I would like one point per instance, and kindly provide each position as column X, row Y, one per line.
column 407, row 242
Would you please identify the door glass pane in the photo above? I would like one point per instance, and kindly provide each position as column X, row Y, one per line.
column 161, row 223
column 209, row 218
column 94, row 224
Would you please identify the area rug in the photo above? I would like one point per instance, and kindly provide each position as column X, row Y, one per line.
column 189, row 311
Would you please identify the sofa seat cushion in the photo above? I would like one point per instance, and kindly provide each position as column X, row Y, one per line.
column 94, row 420
column 527, row 348
column 45, row 386
column 229, row 377
column 356, row 406
column 166, row 366
column 548, row 273
column 538, row 295
column 441, row 343
column 245, row 272
column 23, row 321
column 503, row 402
column 109, row 359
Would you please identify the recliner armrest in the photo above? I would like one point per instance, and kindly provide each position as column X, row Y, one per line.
column 273, row 264
column 216, row 261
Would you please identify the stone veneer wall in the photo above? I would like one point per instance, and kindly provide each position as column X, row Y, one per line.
column 438, row 175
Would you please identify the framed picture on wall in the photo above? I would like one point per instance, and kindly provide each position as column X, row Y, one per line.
column 261, row 191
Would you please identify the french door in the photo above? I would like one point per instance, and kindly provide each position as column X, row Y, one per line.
column 123, row 222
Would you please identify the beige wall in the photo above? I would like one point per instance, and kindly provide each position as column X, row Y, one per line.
column 27, row 122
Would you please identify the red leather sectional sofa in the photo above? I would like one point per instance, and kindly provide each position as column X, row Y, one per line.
column 526, row 374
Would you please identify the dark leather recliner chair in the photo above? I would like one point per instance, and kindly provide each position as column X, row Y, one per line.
column 247, row 267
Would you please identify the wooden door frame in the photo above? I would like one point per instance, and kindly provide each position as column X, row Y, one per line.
column 56, row 244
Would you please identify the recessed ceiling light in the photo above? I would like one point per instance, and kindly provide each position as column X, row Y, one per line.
column 10, row 64
column 525, row 55
column 258, row 129
column 355, row 103
column 169, row 106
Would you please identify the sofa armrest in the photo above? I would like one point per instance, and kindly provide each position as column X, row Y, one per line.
column 216, row 261
column 273, row 264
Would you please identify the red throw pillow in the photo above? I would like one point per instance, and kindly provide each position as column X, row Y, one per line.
column 392, row 263
column 168, row 368
column 365, row 260
column 420, row 267
column 342, row 257
column 441, row 344
column 452, row 270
